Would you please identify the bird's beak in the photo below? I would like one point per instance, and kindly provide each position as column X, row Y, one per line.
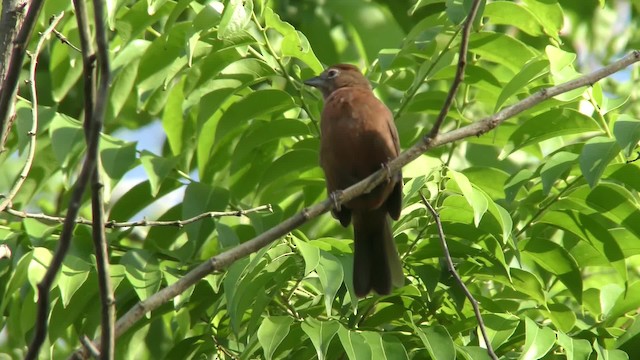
column 316, row 82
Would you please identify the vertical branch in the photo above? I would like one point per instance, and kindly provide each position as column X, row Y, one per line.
column 94, row 109
column 9, row 87
column 452, row 269
column 97, row 203
column 10, row 21
column 459, row 77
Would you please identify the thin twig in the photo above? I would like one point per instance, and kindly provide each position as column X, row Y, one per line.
column 34, row 110
column 413, row 90
column 63, row 39
column 459, row 77
column 226, row 258
column 113, row 225
column 10, row 82
column 93, row 126
column 452, row 270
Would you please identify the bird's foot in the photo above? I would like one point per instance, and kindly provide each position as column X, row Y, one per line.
column 335, row 197
column 388, row 170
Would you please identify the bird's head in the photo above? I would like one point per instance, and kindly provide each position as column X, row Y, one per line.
column 336, row 77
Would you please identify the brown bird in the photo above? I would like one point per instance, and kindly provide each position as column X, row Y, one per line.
column 358, row 138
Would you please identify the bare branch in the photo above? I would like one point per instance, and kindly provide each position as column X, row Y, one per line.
column 226, row 258
column 10, row 21
column 63, row 39
column 9, row 87
column 95, row 105
column 86, row 342
column 452, row 270
column 144, row 222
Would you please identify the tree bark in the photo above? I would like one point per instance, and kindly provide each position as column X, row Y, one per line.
column 10, row 21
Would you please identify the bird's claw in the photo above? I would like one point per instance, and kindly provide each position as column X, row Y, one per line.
column 335, row 197
column 387, row 169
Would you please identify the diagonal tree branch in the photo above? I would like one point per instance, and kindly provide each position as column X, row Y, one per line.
column 459, row 77
column 226, row 258
column 454, row 272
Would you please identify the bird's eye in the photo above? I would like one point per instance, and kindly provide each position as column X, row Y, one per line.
column 332, row 73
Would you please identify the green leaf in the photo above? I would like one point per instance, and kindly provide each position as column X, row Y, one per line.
column 575, row 349
column 504, row 218
column 365, row 19
column 531, row 72
column 473, row 353
column 437, row 341
column 500, row 327
column 598, row 239
column 263, row 132
column 527, row 283
column 320, row 333
column 550, row 124
column 271, row 333
column 204, row 77
column 73, row 274
column 554, row 167
column 331, row 276
column 627, row 301
column 154, row 5
column 235, row 18
column 142, row 271
column 157, row 169
column 555, row 259
column 501, row 49
column 516, row 15
column 38, row 267
column 161, row 61
column 65, row 66
column 289, row 164
column 173, row 118
column 538, row 340
column 200, row 198
column 627, row 133
column 614, row 202
column 310, row 254
column 549, row 14
column 137, row 198
column 513, row 186
column 562, row 316
column 256, row 104
column 596, row 155
column 385, row 347
column 17, row 278
column 67, row 138
column 354, row 344
column 117, row 156
column 606, row 354
column 562, row 70
column 475, row 198
column 294, row 44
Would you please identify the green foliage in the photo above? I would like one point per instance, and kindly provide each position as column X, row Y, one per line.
column 542, row 215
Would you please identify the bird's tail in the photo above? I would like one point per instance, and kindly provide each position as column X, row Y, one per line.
column 376, row 265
